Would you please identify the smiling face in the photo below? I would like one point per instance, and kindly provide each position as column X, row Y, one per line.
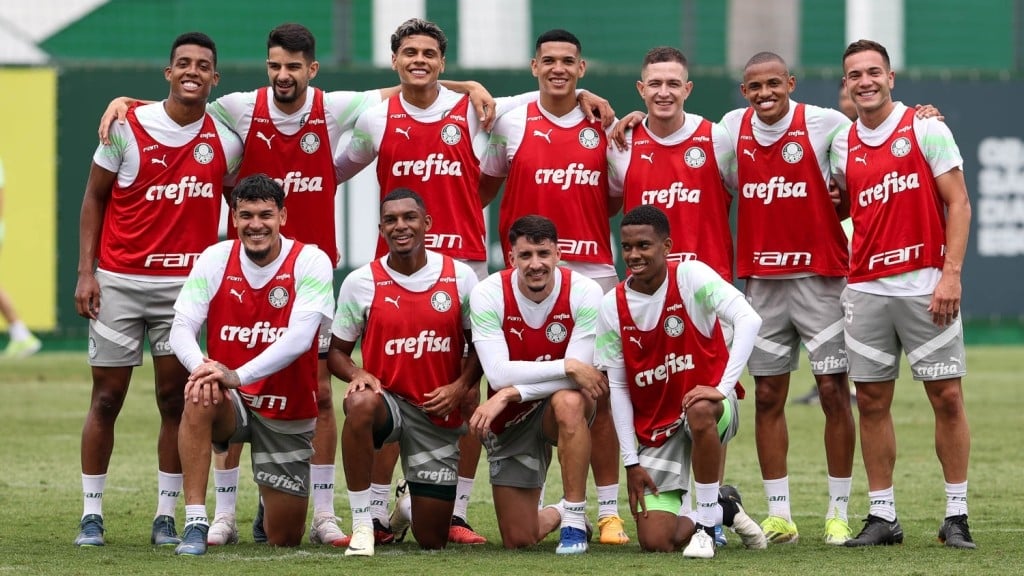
column 645, row 253
column 535, row 263
column 558, row 67
column 869, row 82
column 289, row 74
column 767, row 86
column 192, row 74
column 418, row 61
column 403, row 224
column 664, row 88
column 258, row 223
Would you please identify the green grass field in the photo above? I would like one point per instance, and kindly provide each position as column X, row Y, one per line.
column 45, row 399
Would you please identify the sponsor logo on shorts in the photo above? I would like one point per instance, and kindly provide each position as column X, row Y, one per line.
column 437, row 476
column 939, row 369
column 281, row 481
column 829, row 364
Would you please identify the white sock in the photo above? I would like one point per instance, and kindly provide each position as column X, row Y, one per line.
column 574, row 514
column 92, row 494
column 882, row 503
column 196, row 514
column 607, row 500
column 379, row 496
column 709, row 513
column 462, row 493
column 956, row 499
column 359, row 502
column 225, row 484
column 321, row 476
column 777, row 493
column 838, row 497
column 169, row 486
column 19, row 331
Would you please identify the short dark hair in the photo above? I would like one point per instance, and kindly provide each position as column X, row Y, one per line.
column 293, row 38
column 402, row 194
column 534, row 228
column 418, row 27
column 664, row 54
column 764, row 58
column 867, row 46
column 647, row 215
column 196, row 39
column 559, row 35
column 257, row 187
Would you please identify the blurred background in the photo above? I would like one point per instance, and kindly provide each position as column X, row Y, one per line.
column 61, row 61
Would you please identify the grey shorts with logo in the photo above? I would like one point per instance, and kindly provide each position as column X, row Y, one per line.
column 430, row 454
column 280, row 449
column 520, row 456
column 129, row 310
column 878, row 327
column 794, row 310
column 669, row 464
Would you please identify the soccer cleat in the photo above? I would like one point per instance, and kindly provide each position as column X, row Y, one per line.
column 612, row 531
column 460, row 532
column 877, row 532
column 22, row 348
column 572, row 541
column 956, row 534
column 778, row 530
column 361, row 543
column 397, row 522
column 736, row 518
column 381, row 534
column 325, row 530
column 720, row 539
column 702, row 544
column 837, row 531
column 194, row 541
column 259, row 535
column 164, row 533
column 90, row 532
column 223, row 530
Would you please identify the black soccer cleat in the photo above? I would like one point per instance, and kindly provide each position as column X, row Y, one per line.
column 877, row 532
column 956, row 534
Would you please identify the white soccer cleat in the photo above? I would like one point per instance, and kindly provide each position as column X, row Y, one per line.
column 223, row 530
column 361, row 543
column 325, row 530
column 702, row 545
column 399, row 520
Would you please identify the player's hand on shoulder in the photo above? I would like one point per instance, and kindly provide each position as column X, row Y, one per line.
column 618, row 135
column 596, row 108
column 928, row 111
column 116, row 110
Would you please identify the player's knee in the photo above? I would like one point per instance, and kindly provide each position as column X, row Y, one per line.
column 568, row 406
column 768, row 399
column 703, row 415
column 656, row 543
column 361, row 406
column 947, row 400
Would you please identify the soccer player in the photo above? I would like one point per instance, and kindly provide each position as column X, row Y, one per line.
column 263, row 298
column 679, row 161
column 22, row 343
column 911, row 216
column 533, row 326
column 292, row 132
column 557, row 166
column 672, row 381
column 794, row 274
column 410, row 309
column 150, row 207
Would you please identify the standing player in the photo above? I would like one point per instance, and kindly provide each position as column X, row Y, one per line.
column 22, row 343
column 151, row 206
column 410, row 308
column 292, row 132
column 911, row 216
column 263, row 299
column 533, row 326
column 672, row 380
column 794, row 274
column 678, row 162
column 556, row 163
